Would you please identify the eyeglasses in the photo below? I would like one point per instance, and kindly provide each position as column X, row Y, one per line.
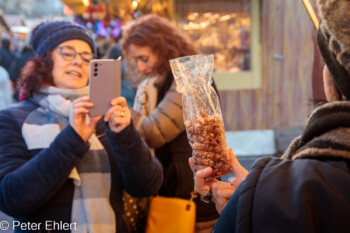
column 68, row 53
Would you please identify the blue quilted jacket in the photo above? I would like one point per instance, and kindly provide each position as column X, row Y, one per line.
column 34, row 184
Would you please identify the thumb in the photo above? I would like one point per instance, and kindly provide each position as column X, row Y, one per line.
column 204, row 173
column 119, row 101
column 191, row 163
column 93, row 121
column 238, row 169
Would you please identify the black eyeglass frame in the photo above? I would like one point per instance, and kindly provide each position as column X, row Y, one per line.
column 70, row 57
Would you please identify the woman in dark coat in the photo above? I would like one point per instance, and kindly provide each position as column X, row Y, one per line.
column 60, row 170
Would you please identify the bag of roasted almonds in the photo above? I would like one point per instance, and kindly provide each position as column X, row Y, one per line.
column 202, row 113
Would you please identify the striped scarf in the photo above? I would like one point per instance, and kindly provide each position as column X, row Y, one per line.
column 145, row 99
column 326, row 135
column 91, row 208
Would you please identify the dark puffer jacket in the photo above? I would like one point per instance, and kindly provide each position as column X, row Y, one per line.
column 308, row 190
column 34, row 184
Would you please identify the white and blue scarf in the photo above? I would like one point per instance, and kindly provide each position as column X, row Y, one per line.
column 91, row 208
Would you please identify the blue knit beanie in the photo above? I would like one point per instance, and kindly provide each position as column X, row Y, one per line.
column 48, row 35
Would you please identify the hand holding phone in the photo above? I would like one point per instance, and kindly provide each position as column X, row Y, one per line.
column 118, row 116
column 104, row 84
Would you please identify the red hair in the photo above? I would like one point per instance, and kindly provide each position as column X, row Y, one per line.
column 35, row 73
column 161, row 36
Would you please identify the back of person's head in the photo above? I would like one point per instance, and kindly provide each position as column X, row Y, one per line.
column 115, row 52
column 45, row 37
column 27, row 49
column 334, row 41
column 161, row 36
column 5, row 43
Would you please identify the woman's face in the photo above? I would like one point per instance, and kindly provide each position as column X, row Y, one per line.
column 145, row 59
column 71, row 64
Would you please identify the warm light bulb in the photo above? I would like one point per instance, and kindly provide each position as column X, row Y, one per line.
column 86, row 2
column 134, row 4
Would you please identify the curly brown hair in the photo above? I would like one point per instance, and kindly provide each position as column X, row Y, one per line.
column 161, row 36
column 36, row 72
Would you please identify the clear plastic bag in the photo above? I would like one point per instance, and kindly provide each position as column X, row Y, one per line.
column 202, row 113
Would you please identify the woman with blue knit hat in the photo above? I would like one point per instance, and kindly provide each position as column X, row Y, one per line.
column 60, row 170
column 308, row 189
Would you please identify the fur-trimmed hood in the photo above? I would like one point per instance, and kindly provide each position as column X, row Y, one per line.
column 335, row 18
column 327, row 134
column 333, row 40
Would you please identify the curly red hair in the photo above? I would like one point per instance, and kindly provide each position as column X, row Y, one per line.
column 161, row 36
column 35, row 73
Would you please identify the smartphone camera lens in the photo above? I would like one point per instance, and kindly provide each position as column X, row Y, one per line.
column 96, row 64
column 95, row 74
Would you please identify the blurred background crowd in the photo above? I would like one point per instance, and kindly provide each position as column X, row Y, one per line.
column 225, row 33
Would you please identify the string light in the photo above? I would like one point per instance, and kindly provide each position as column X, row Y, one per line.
column 134, row 4
column 86, row 2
